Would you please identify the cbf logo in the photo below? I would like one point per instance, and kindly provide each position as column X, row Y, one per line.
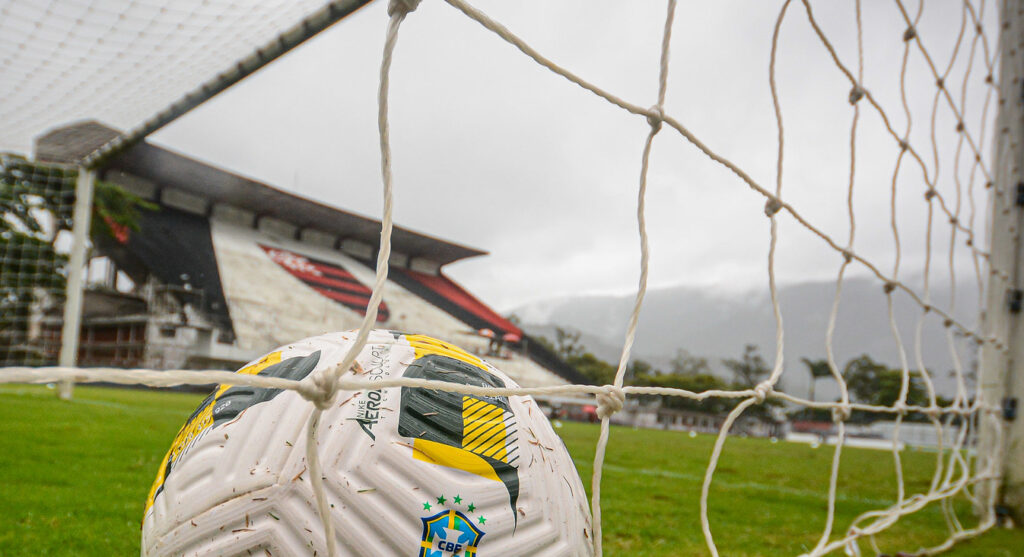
column 450, row 533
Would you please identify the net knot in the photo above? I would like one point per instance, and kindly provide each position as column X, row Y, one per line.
column 761, row 391
column 930, row 194
column 851, row 547
column 856, row 94
column 609, row 401
column 889, row 287
column 318, row 390
column 402, row 7
column 847, row 255
column 772, row 206
column 933, row 412
column 655, row 116
column 841, row 413
column 900, row 408
column 909, row 34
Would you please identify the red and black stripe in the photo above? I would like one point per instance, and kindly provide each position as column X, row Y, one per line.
column 332, row 281
column 453, row 299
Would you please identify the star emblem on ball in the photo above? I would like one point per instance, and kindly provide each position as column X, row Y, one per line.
column 456, row 500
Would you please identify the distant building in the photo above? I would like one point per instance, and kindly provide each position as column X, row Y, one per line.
column 229, row 268
column 882, row 433
column 653, row 415
column 650, row 414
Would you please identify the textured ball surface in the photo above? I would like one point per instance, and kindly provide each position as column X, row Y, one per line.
column 406, row 471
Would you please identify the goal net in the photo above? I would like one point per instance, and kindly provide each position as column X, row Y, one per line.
column 889, row 146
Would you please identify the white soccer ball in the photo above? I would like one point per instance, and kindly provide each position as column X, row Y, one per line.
column 406, row 471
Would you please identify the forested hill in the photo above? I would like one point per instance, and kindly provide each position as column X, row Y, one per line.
column 716, row 324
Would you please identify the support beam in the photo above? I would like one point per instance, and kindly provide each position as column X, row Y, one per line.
column 331, row 13
column 82, row 217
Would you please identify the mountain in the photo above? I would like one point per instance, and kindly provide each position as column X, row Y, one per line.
column 716, row 323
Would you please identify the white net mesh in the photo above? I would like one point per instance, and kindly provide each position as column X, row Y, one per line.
column 133, row 63
column 948, row 163
column 36, row 202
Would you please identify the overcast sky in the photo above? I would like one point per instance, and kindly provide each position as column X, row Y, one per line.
column 495, row 152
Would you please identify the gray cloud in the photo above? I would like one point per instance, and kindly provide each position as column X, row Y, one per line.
column 493, row 151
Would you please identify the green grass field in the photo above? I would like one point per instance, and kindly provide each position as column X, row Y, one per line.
column 74, row 475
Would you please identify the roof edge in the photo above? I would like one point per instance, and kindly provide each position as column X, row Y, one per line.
column 168, row 168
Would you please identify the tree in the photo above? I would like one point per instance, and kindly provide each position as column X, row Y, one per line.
column 116, row 210
column 568, row 347
column 595, row 369
column 685, row 363
column 875, row 383
column 750, row 369
column 36, row 205
column 567, row 343
column 695, row 383
column 640, row 367
column 818, row 369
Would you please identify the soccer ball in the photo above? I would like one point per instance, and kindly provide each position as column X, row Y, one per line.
column 406, row 471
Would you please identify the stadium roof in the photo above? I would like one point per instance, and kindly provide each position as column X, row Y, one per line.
column 166, row 168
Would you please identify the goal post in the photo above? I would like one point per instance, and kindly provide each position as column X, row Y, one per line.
column 1001, row 379
column 71, row 327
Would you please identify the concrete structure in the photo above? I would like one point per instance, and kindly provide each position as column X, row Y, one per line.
column 228, row 268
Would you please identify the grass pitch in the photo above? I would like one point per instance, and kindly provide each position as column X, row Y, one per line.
column 74, row 476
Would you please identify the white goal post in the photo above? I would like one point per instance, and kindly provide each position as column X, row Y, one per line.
column 1002, row 370
column 983, row 463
